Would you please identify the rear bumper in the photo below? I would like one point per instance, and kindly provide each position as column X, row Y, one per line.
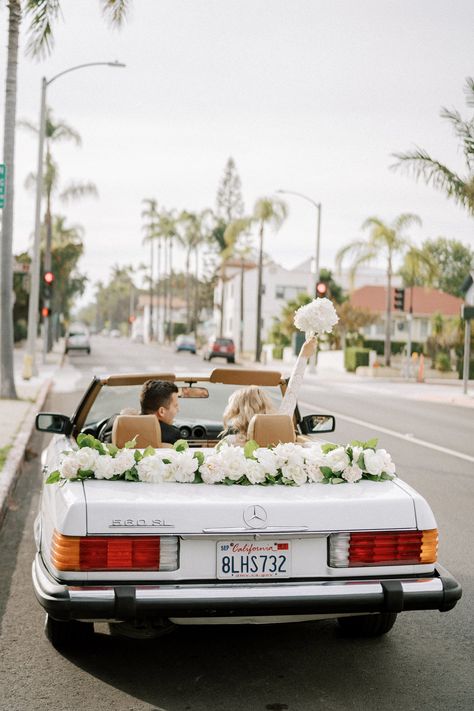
column 127, row 602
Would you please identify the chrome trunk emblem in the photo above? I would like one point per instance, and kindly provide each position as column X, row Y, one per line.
column 255, row 517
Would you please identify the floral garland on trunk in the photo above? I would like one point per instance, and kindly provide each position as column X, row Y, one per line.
column 287, row 464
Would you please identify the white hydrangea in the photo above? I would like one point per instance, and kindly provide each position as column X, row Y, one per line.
column 374, row 461
column 352, row 473
column 87, row 457
column 289, row 455
column 69, row 466
column 267, row 459
column 295, row 473
column 151, row 469
column 182, row 468
column 337, row 459
column 234, row 461
column 124, row 460
column 104, row 467
column 317, row 317
column 314, row 460
column 213, row 469
column 255, row 472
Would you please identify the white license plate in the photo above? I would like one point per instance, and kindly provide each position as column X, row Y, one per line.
column 253, row 559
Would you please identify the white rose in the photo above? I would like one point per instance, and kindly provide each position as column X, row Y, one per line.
column 374, row 462
column 87, row 457
column 356, row 452
column 212, row 471
column 255, row 472
column 104, row 467
column 124, row 460
column 337, row 459
column 313, row 471
column 388, row 465
column 294, row 473
column 69, row 466
column 233, row 461
column 352, row 473
column 290, row 454
column 151, row 469
column 267, row 459
column 183, row 468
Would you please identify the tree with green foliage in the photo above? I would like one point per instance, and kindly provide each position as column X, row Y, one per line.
column 450, row 260
column 351, row 320
column 42, row 14
column 193, row 229
column 284, row 327
column 421, row 165
column 229, row 201
column 335, row 290
column 386, row 241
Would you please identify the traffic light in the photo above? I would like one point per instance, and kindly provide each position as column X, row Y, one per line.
column 399, row 299
column 45, row 312
column 48, row 278
column 321, row 289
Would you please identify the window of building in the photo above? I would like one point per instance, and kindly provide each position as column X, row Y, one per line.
column 279, row 292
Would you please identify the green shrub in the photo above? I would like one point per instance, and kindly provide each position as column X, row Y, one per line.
column 353, row 357
column 20, row 330
column 443, row 362
column 277, row 352
column 471, row 369
column 395, row 346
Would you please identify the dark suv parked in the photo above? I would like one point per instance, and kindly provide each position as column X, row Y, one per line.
column 220, row 347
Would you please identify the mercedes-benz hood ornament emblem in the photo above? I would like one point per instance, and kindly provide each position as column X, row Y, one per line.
column 255, row 516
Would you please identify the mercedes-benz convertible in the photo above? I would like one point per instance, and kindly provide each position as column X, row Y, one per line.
column 320, row 531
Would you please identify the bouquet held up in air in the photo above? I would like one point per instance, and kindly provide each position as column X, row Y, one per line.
column 316, row 318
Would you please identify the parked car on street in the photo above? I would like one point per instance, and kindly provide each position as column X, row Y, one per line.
column 220, row 347
column 185, row 343
column 145, row 555
column 77, row 339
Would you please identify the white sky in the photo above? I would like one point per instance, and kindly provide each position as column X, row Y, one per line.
column 306, row 95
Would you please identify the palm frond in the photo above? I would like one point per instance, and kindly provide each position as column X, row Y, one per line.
column 463, row 130
column 28, row 125
column 353, row 248
column 469, row 91
column 406, row 219
column 115, row 11
column 43, row 14
column 76, row 191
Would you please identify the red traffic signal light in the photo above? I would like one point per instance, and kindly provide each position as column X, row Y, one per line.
column 399, row 299
column 131, row 318
column 321, row 289
column 48, row 277
column 45, row 312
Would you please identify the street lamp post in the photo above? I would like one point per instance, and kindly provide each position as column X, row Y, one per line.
column 318, row 207
column 29, row 364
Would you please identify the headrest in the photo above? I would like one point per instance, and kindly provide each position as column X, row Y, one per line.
column 147, row 427
column 269, row 430
column 237, row 376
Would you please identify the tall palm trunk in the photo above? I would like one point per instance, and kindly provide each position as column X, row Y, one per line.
column 48, row 322
column 196, row 293
column 222, row 304
column 241, row 320
column 150, row 325
column 388, row 315
column 188, row 291
column 159, row 306
column 7, row 379
column 258, row 340
column 170, row 295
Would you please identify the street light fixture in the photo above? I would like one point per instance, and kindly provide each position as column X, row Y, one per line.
column 29, row 364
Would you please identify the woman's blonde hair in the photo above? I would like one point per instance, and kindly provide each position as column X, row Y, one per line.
column 243, row 405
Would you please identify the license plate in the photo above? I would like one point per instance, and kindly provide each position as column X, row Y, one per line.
column 223, row 349
column 253, row 559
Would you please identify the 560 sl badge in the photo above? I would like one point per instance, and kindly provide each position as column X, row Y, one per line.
column 140, row 523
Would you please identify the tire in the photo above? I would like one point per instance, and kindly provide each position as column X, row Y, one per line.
column 367, row 625
column 231, row 359
column 66, row 351
column 88, row 351
column 68, row 634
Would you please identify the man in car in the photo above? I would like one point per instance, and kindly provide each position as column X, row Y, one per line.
column 160, row 398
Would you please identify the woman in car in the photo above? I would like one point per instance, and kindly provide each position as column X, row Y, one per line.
column 246, row 402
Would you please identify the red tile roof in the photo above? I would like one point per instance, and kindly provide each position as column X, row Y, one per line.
column 425, row 301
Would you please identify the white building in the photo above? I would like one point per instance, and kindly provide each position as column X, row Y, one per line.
column 279, row 286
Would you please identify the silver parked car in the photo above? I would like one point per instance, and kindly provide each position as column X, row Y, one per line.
column 77, row 338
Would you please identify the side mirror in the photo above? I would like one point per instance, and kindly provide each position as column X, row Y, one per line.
column 50, row 422
column 315, row 424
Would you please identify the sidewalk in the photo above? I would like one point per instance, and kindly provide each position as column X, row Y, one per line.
column 17, row 417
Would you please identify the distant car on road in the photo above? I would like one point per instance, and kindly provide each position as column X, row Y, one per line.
column 77, row 339
column 220, row 347
column 185, row 343
column 115, row 333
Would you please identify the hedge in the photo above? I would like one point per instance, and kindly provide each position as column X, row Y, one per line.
column 395, row 346
column 471, row 369
column 353, row 357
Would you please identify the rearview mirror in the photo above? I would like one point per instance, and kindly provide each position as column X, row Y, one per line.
column 193, row 392
column 51, row 422
column 315, row 424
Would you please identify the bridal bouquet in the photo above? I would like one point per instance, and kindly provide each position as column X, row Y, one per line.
column 317, row 317
column 288, row 464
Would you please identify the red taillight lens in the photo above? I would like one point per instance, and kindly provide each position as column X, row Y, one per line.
column 360, row 550
column 131, row 553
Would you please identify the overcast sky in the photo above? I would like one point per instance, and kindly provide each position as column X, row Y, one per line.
column 306, row 95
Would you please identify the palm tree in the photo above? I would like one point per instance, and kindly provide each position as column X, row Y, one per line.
column 420, row 164
column 150, row 227
column 273, row 212
column 384, row 240
column 192, row 231
column 42, row 14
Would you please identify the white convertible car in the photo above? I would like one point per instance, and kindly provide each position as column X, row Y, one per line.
column 147, row 556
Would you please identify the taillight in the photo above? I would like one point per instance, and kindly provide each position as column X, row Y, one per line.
column 130, row 553
column 360, row 550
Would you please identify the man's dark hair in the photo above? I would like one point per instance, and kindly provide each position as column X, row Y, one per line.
column 156, row 394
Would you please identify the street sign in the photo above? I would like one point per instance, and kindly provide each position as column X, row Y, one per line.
column 467, row 312
column 3, row 183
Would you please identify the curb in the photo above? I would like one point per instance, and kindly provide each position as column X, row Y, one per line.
column 12, row 467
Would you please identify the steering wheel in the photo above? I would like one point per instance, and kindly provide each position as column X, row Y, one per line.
column 104, row 427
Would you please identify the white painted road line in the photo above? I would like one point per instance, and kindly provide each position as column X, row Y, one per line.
column 406, row 437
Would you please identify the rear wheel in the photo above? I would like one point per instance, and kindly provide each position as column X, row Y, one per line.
column 66, row 634
column 367, row 625
column 231, row 359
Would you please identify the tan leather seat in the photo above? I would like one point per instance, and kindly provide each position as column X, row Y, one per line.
column 269, row 430
column 145, row 427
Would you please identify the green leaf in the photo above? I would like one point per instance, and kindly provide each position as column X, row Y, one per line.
column 131, row 475
column 371, row 443
column 132, row 443
column 357, row 443
column 137, row 455
column 250, row 448
column 87, row 440
column 112, row 449
column 328, row 447
column 386, row 477
column 180, row 445
column 200, row 457
column 337, row 480
column 148, row 451
column 53, row 478
column 360, row 461
column 327, row 472
column 197, row 478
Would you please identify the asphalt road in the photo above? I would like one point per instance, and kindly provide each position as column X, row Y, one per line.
column 425, row 661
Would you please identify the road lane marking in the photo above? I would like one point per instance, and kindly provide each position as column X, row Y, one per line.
column 406, row 437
